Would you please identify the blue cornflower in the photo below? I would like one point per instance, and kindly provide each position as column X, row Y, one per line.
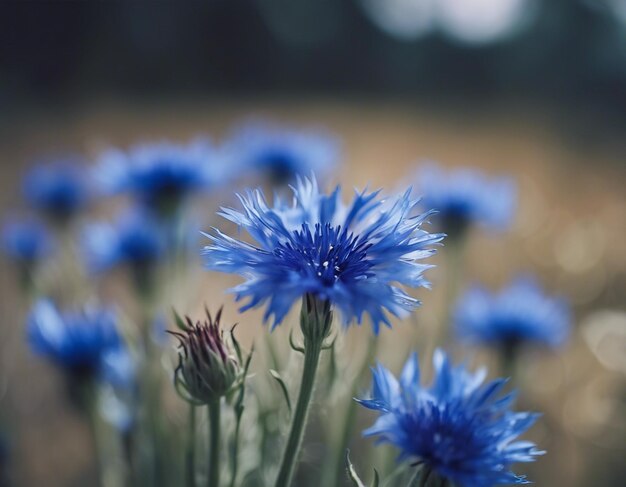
column 77, row 341
column 459, row 428
column 521, row 313
column 466, row 196
column 58, row 188
column 27, row 241
column 119, row 368
column 136, row 239
column 161, row 175
column 280, row 153
column 351, row 256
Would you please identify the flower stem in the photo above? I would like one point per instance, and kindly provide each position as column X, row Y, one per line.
column 235, row 446
column 421, row 477
column 333, row 473
column 190, row 454
column 454, row 272
column 214, row 444
column 95, row 435
column 312, row 351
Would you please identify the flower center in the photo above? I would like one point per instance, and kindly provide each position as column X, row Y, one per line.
column 328, row 254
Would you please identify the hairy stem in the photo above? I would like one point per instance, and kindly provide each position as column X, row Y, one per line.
column 190, row 454
column 214, row 444
column 312, row 351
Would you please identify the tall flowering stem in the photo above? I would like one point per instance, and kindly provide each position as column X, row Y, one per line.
column 354, row 258
column 208, row 370
column 315, row 322
column 190, row 454
column 455, row 250
column 214, row 443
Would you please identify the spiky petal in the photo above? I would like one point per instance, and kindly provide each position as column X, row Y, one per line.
column 355, row 256
column 459, row 427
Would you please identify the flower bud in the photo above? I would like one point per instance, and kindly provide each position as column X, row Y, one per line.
column 207, row 368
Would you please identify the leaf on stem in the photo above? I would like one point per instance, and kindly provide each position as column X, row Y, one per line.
column 283, row 386
column 356, row 481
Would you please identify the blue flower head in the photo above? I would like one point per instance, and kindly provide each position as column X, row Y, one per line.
column 281, row 153
column 57, row 188
column 27, row 241
column 77, row 341
column 161, row 175
column 353, row 256
column 136, row 239
column 465, row 196
column 119, row 368
column 459, row 427
column 520, row 314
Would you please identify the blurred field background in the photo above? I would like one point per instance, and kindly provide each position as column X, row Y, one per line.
column 542, row 97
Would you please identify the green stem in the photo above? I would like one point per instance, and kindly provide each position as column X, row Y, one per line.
column 420, row 478
column 151, row 393
column 214, row 444
column 334, row 472
column 235, row 449
column 128, row 446
column 454, row 277
column 190, row 454
column 312, row 351
column 508, row 362
column 90, row 403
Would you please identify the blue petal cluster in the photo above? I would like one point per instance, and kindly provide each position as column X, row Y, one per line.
column 76, row 341
column 161, row 175
column 354, row 256
column 136, row 239
column 458, row 427
column 280, row 153
column 520, row 313
column 26, row 241
column 57, row 188
column 466, row 196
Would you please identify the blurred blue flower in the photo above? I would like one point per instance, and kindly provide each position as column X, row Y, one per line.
column 521, row 313
column 280, row 153
column 161, row 175
column 465, row 196
column 57, row 188
column 27, row 241
column 349, row 255
column 458, row 427
column 118, row 367
column 118, row 397
column 136, row 239
column 77, row 341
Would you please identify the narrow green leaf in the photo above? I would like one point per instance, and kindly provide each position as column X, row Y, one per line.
column 283, row 386
column 180, row 324
column 376, row 481
column 236, row 343
column 356, row 481
column 293, row 344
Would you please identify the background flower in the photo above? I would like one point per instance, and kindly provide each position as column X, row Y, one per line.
column 351, row 255
column 466, row 196
column 161, row 175
column 77, row 340
column 519, row 314
column 458, row 427
column 136, row 239
column 26, row 240
column 281, row 153
column 57, row 188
